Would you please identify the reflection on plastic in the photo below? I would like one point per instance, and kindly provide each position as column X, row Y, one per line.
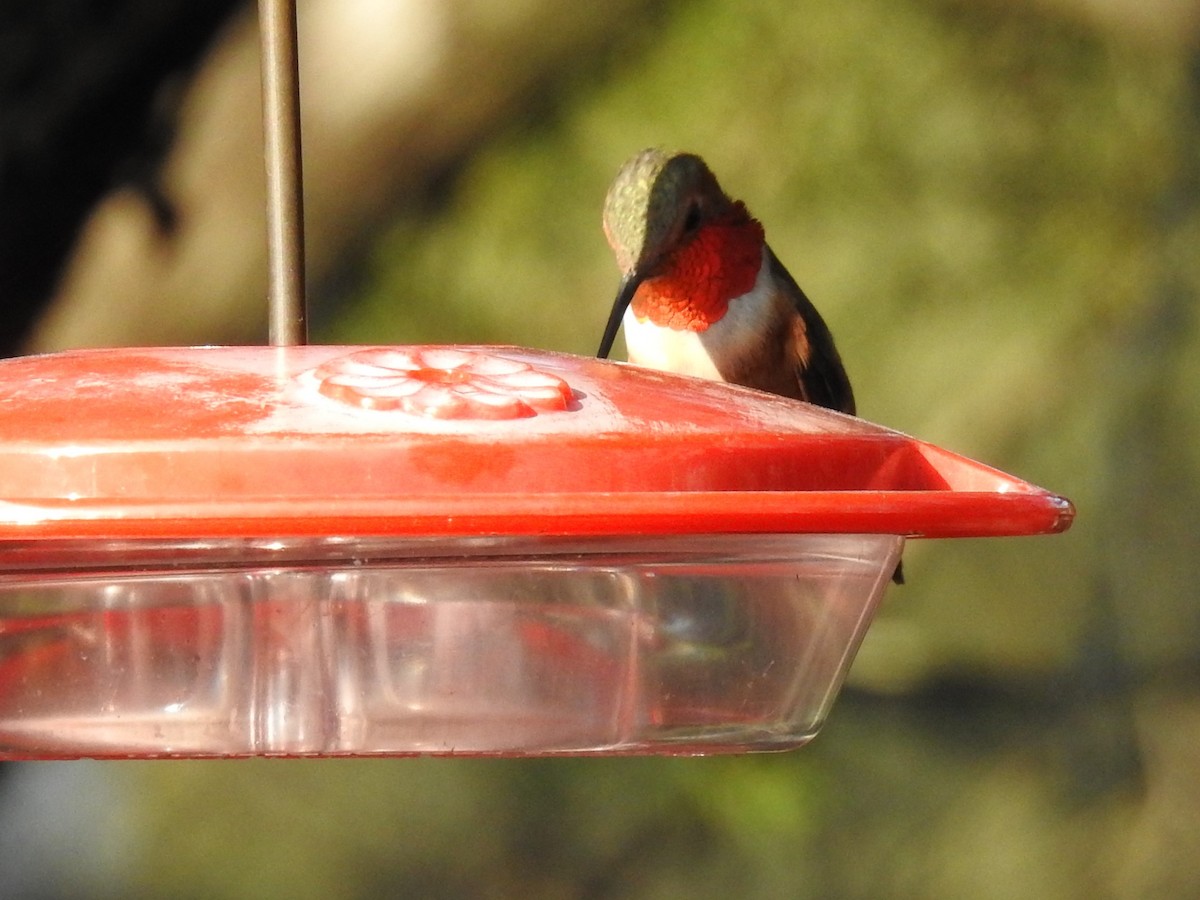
column 512, row 646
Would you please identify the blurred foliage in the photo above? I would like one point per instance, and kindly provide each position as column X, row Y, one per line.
column 469, row 828
column 994, row 211
column 81, row 106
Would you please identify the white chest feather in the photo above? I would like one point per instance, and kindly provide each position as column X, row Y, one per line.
column 696, row 353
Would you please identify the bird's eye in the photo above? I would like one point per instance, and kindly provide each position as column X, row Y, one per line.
column 692, row 221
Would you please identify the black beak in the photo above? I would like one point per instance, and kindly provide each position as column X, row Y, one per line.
column 629, row 286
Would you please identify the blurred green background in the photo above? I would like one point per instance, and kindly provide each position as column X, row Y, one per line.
column 997, row 209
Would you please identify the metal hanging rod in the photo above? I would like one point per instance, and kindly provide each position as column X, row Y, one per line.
column 285, row 177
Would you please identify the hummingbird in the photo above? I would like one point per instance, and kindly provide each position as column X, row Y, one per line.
column 703, row 294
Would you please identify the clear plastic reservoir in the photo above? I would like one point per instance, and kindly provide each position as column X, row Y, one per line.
column 512, row 647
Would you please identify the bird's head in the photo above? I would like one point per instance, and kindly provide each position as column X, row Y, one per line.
column 657, row 206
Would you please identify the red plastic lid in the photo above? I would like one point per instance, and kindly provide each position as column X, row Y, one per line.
column 296, row 441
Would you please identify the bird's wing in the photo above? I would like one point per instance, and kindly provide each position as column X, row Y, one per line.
column 822, row 377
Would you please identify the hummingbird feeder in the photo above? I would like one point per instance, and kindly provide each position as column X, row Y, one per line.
column 321, row 550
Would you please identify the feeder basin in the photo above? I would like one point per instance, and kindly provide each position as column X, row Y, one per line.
column 320, row 551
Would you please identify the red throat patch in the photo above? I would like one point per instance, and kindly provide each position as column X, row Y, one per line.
column 701, row 276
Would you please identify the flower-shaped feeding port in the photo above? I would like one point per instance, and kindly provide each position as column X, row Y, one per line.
column 442, row 383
